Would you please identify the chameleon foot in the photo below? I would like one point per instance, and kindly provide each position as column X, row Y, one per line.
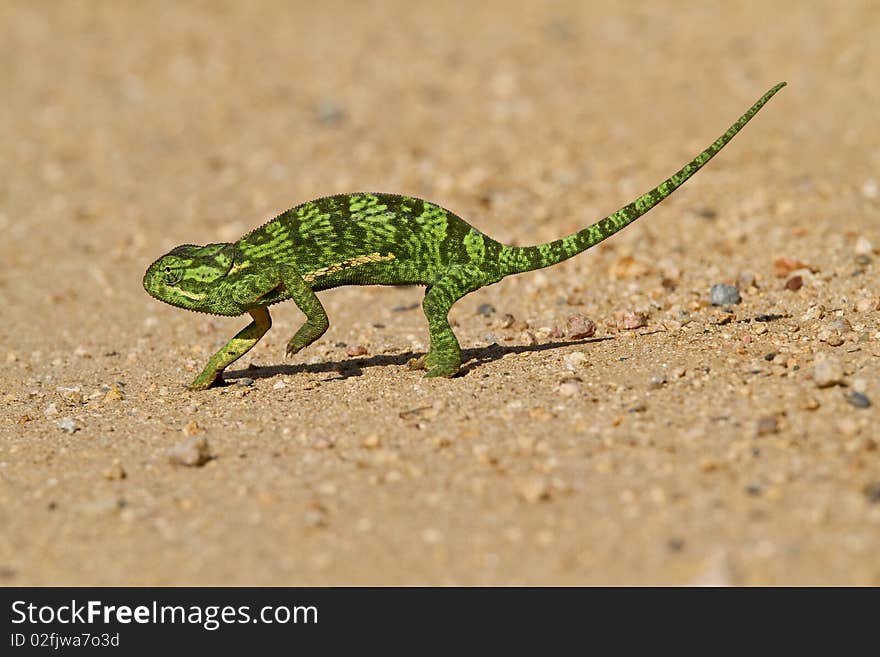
column 314, row 327
column 446, row 370
column 434, row 366
column 206, row 380
column 446, row 364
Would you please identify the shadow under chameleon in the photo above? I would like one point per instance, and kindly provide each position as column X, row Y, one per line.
column 349, row 367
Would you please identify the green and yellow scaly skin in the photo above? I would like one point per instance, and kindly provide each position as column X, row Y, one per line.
column 370, row 239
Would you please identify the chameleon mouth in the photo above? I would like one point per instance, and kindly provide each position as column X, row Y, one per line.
column 150, row 281
column 194, row 296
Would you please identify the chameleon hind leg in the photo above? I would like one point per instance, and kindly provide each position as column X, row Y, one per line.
column 444, row 356
column 234, row 349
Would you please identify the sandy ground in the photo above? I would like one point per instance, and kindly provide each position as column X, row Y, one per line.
column 698, row 448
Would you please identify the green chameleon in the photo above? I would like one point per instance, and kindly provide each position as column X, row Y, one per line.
column 370, row 239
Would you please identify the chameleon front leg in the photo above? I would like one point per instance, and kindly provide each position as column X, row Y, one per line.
column 304, row 297
column 234, row 349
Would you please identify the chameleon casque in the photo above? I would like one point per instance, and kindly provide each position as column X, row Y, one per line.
column 370, row 239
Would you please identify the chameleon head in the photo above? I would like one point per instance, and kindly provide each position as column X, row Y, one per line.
column 188, row 277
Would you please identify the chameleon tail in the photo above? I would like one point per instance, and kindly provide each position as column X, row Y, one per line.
column 515, row 260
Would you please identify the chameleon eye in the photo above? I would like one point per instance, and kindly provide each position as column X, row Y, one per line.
column 172, row 277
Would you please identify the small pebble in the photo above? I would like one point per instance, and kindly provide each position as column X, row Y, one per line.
column 579, row 327
column 833, row 332
column 858, row 399
column 717, row 571
column 794, row 283
column 321, row 444
column 629, row 320
column 356, row 350
column 770, row 356
column 867, row 304
column 724, row 295
column 115, row 473
column 485, row 309
column 192, row 452
column 848, row 427
column 279, row 385
column 534, row 489
column 768, row 425
column 827, row 373
column 783, row 266
column 192, row 428
column 870, row 188
column 832, row 338
column 575, row 360
column 315, row 517
column 114, row 394
column 657, row 381
column 330, row 112
column 71, row 396
column 813, row 313
column 840, row 324
column 747, row 279
column 569, row 388
column 245, row 382
column 863, row 246
column 67, row 425
column 372, row 441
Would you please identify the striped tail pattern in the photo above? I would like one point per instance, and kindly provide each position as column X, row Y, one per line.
column 515, row 260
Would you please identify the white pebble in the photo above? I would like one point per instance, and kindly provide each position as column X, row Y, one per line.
column 864, row 246
column 574, row 360
column 67, row 425
column 827, row 373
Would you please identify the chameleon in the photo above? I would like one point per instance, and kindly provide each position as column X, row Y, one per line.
column 371, row 239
